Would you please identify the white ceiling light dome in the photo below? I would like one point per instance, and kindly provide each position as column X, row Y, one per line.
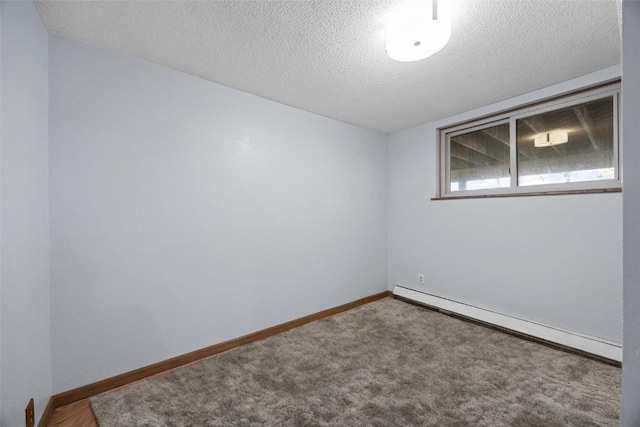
column 549, row 139
column 417, row 29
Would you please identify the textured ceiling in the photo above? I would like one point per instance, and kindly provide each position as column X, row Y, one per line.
column 328, row 56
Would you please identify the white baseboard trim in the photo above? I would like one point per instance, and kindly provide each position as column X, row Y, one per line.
column 581, row 342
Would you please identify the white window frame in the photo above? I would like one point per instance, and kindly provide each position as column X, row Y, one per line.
column 446, row 133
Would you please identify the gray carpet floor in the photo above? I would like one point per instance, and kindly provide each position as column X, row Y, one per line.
column 387, row 363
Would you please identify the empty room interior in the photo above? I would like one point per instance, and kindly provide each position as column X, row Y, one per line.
column 320, row 212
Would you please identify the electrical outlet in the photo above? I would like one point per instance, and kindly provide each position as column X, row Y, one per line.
column 30, row 414
column 420, row 279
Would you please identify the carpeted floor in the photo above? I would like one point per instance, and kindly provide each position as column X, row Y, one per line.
column 387, row 363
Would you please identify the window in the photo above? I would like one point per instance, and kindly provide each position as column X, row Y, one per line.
column 560, row 146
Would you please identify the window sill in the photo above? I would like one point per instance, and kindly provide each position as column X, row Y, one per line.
column 539, row 193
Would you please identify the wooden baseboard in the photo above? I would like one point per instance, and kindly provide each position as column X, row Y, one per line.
column 98, row 387
column 46, row 414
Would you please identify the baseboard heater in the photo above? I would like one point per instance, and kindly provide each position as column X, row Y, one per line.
column 583, row 343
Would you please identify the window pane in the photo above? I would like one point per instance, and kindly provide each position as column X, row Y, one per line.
column 479, row 159
column 573, row 144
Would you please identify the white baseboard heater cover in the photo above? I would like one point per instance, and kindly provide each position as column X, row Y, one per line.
column 585, row 343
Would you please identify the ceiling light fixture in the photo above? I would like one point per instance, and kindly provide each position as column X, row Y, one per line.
column 548, row 139
column 417, row 29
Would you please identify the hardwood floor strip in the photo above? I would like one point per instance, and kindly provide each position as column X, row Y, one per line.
column 46, row 414
column 77, row 414
column 107, row 384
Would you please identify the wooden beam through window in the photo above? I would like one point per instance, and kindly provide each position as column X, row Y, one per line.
column 583, row 116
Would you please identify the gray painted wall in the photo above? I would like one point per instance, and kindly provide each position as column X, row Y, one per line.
column 185, row 213
column 1, row 8
column 25, row 311
column 555, row 260
column 631, row 129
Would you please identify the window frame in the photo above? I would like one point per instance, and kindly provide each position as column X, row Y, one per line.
column 445, row 133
